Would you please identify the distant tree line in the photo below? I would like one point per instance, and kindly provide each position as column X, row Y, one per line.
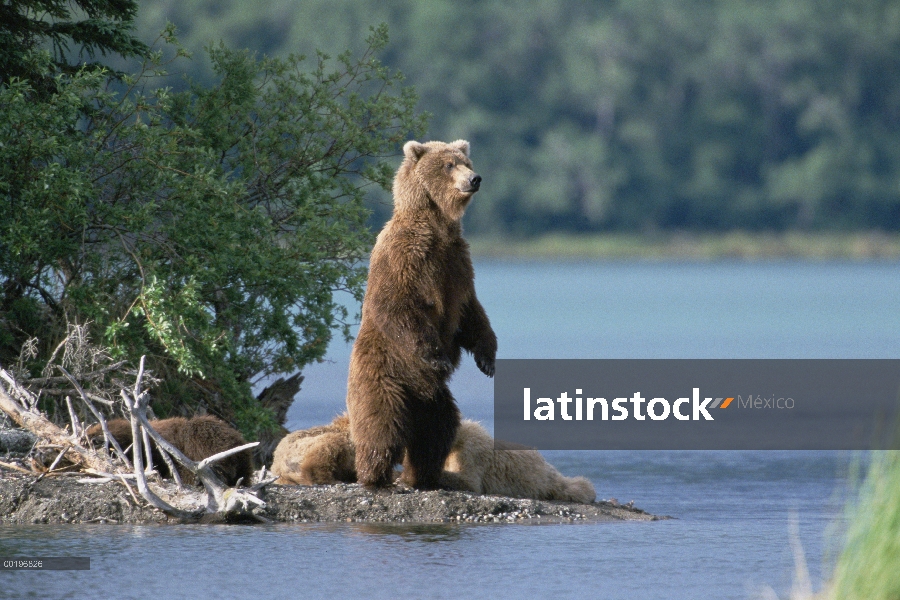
column 631, row 115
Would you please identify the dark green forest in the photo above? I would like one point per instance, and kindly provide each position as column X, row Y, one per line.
column 628, row 115
column 200, row 211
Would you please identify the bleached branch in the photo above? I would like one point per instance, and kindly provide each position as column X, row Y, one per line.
column 32, row 420
column 108, row 438
column 137, row 408
column 221, row 499
column 225, row 454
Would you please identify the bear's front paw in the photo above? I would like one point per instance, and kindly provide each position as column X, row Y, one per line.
column 441, row 364
column 485, row 363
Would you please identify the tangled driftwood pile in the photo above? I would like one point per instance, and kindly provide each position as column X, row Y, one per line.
column 19, row 400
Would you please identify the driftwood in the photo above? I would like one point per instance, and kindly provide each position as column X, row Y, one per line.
column 222, row 502
column 20, row 405
column 276, row 397
column 279, row 395
column 109, row 440
column 45, row 381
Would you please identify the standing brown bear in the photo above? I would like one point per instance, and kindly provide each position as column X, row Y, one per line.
column 419, row 310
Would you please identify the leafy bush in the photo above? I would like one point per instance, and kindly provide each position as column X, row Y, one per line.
column 206, row 228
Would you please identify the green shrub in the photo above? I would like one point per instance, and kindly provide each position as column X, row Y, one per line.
column 206, row 229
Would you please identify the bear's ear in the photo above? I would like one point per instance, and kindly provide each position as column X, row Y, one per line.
column 414, row 150
column 462, row 146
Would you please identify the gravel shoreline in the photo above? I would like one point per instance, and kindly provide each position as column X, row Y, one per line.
column 65, row 499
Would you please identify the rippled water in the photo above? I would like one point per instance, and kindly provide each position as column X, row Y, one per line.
column 730, row 535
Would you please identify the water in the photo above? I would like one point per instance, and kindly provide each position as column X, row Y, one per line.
column 730, row 535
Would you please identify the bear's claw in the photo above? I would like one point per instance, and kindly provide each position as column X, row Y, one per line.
column 486, row 365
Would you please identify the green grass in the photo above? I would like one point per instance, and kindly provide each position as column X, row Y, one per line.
column 869, row 565
column 735, row 245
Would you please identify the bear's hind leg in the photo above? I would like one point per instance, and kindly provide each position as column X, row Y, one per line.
column 378, row 437
column 430, row 441
column 375, row 466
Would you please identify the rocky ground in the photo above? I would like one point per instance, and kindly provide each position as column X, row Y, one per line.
column 68, row 499
column 77, row 498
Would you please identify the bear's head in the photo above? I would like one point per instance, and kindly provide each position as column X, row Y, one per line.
column 436, row 172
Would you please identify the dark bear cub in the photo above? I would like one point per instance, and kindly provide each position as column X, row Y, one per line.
column 197, row 438
column 420, row 310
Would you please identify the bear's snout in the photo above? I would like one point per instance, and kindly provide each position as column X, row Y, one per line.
column 474, row 182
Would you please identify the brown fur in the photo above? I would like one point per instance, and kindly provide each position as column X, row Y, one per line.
column 320, row 455
column 514, row 473
column 419, row 312
column 197, row 438
column 325, row 454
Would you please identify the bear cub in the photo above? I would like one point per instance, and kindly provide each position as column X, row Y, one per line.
column 325, row 455
column 197, row 438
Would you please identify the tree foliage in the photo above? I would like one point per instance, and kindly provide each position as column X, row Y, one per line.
column 206, row 228
column 73, row 30
column 638, row 114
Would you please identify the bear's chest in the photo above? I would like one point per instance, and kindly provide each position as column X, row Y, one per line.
column 451, row 278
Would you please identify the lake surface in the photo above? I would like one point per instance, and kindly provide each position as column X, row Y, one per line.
column 729, row 538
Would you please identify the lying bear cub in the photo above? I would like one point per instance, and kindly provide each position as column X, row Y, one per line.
column 326, row 454
column 197, row 438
